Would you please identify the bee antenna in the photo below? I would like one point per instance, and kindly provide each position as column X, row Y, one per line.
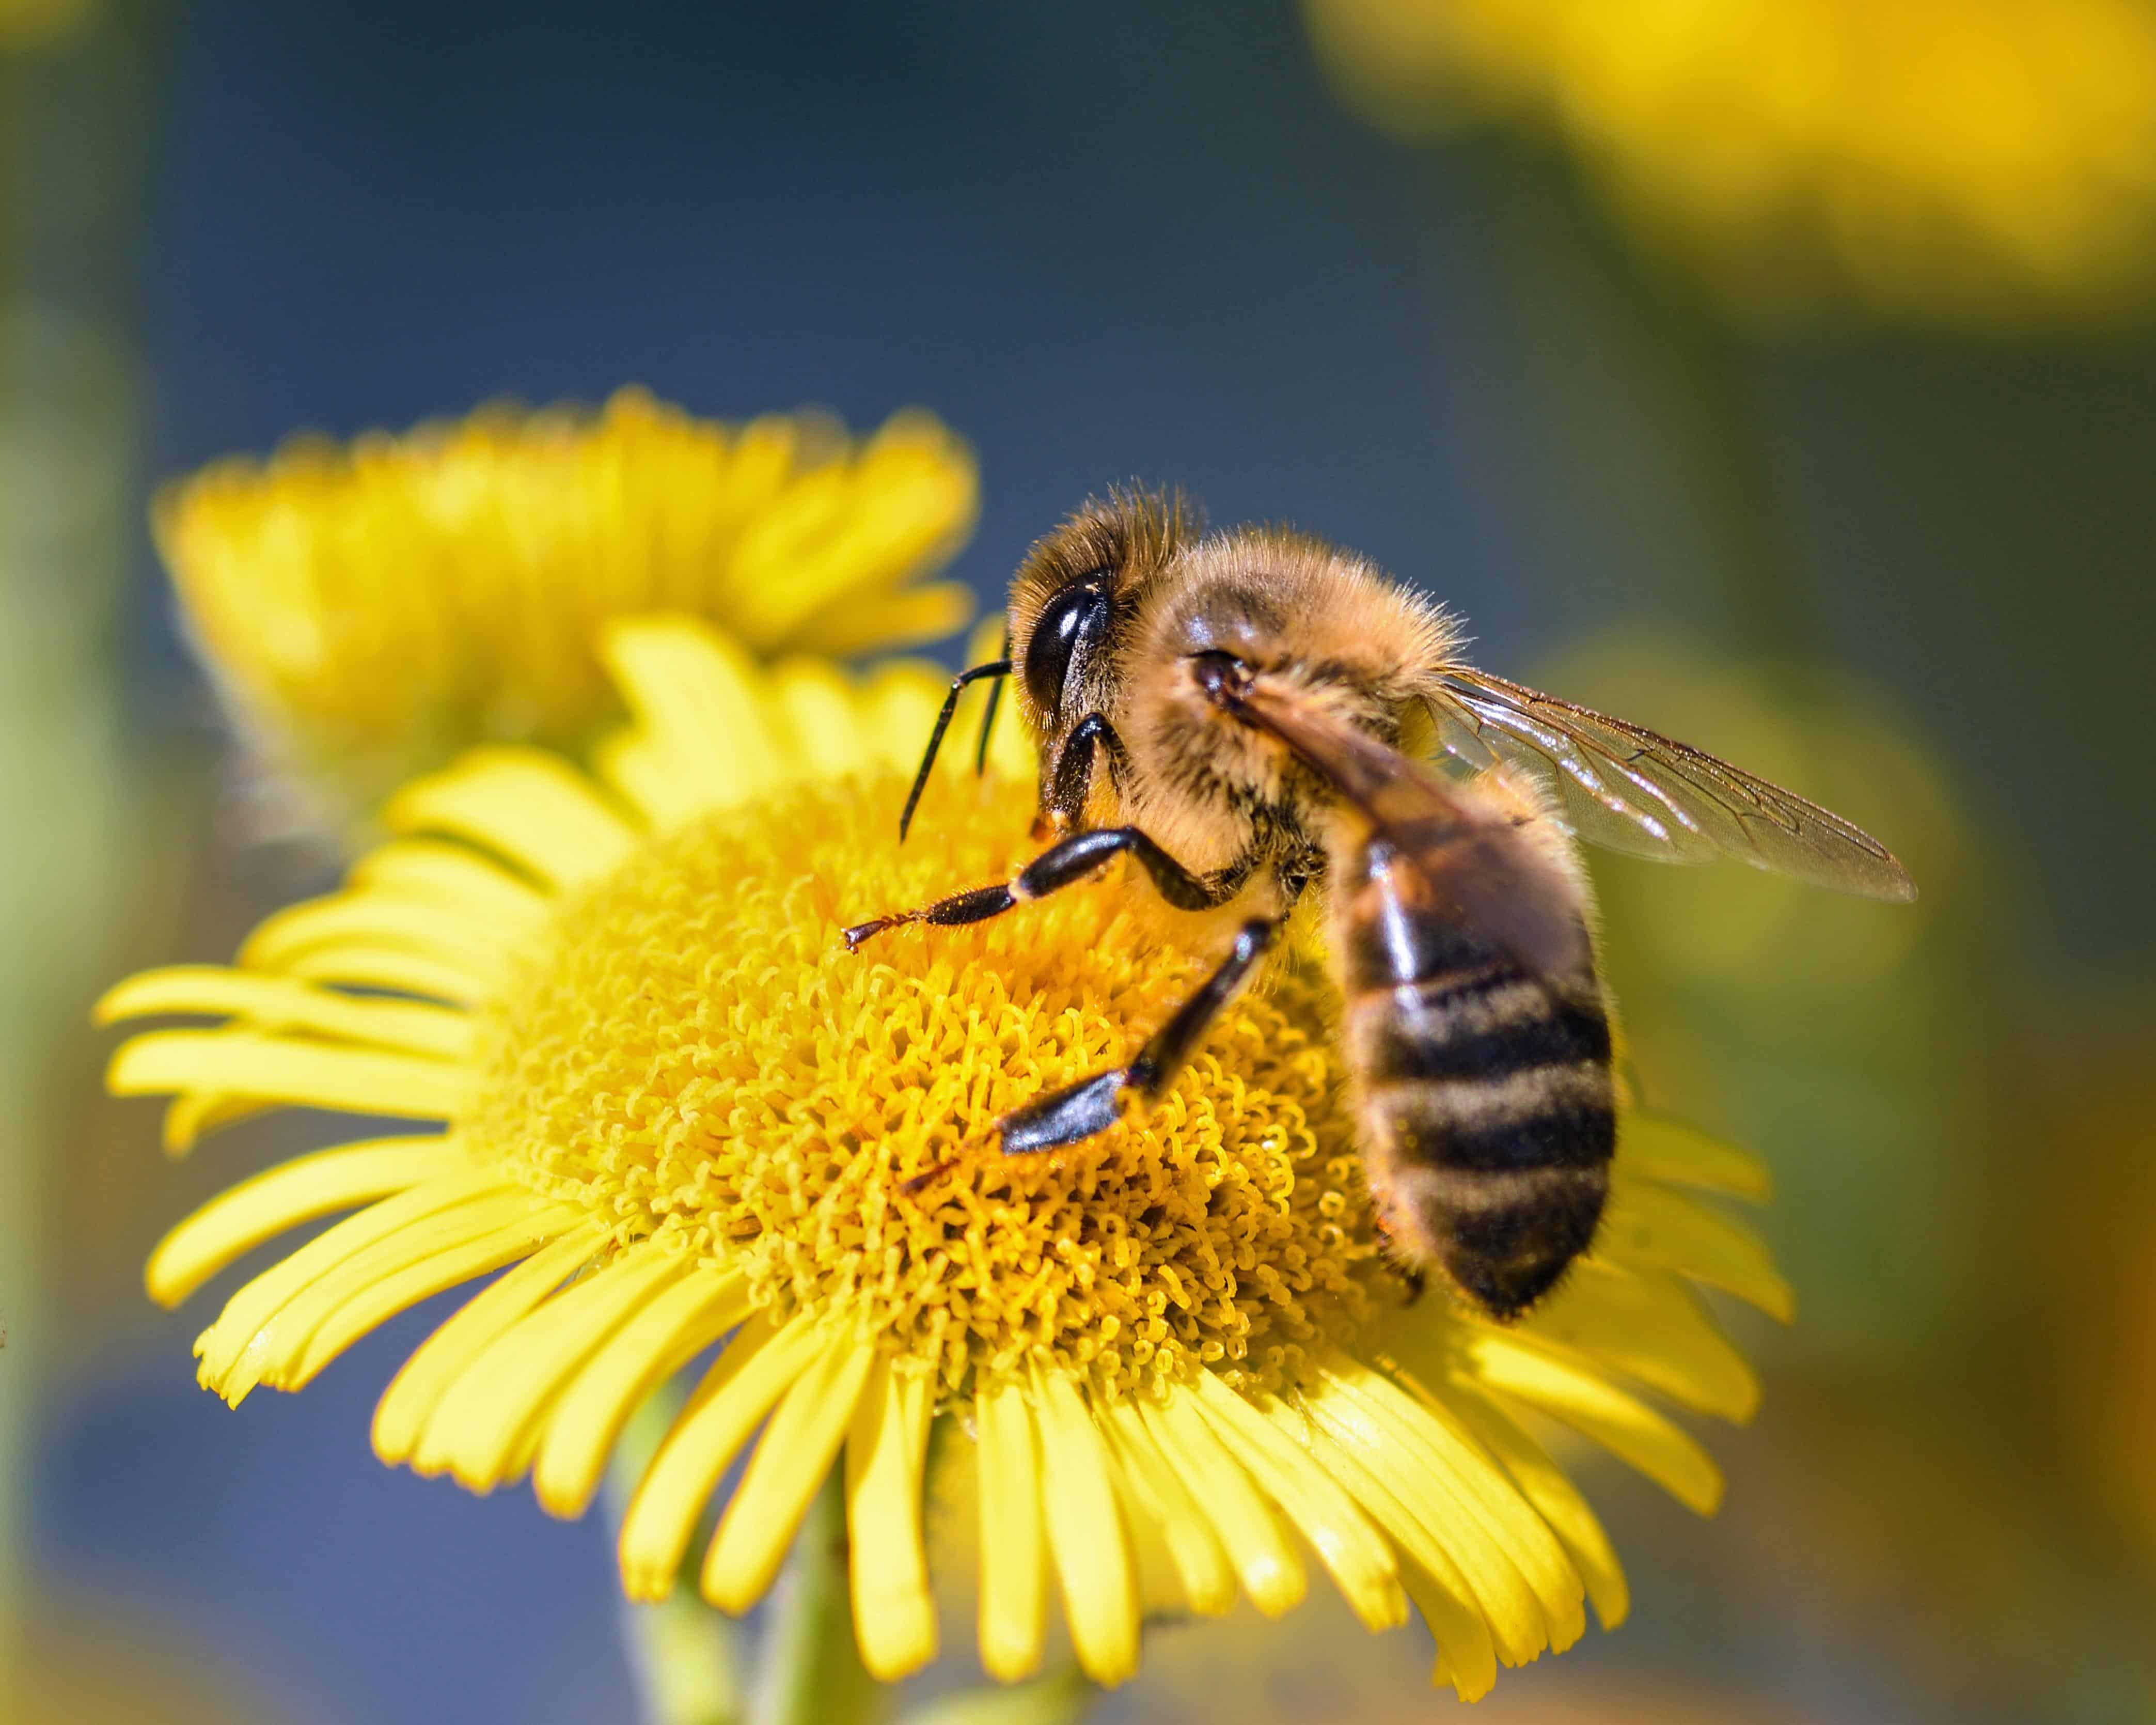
column 989, row 714
column 996, row 668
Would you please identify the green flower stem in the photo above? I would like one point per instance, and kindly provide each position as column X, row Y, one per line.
column 812, row 1671
column 680, row 1650
column 1062, row 1699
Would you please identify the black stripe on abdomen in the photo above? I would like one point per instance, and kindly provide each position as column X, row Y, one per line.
column 1532, row 1118
column 1483, row 1024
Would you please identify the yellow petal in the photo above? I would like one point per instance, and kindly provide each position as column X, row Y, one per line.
column 237, row 1221
column 1661, row 1148
column 1086, row 1534
column 829, row 536
column 1466, row 1659
column 489, row 1415
column 376, row 964
column 897, row 709
column 1270, row 1448
column 1649, row 1224
column 893, row 1614
column 790, row 1463
column 818, row 706
column 312, row 1075
column 670, row 1331
column 1014, row 1538
column 1531, row 1592
column 642, row 775
column 272, row 1003
column 1154, row 1576
column 1589, row 1403
column 433, row 871
column 1357, row 1556
column 270, row 1355
column 478, row 949
column 1651, row 1326
column 193, row 1112
column 892, row 620
column 702, row 710
column 267, row 1294
column 367, row 1312
column 1545, row 1485
column 1265, row 1563
column 524, row 804
column 756, row 1369
column 1201, row 1565
column 412, row 1397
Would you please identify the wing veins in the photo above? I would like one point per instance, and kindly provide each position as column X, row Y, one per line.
column 1646, row 783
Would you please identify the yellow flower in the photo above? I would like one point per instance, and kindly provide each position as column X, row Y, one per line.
column 680, row 1115
column 370, row 610
column 1972, row 159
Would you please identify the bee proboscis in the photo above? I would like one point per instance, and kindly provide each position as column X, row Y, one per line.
column 1254, row 715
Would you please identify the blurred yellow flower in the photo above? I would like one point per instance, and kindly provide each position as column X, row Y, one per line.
column 679, row 1112
column 30, row 26
column 370, row 610
column 1976, row 160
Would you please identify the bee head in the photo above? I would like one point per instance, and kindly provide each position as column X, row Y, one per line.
column 1072, row 605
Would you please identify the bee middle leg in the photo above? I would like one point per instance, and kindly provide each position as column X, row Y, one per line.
column 1094, row 1104
column 1062, row 864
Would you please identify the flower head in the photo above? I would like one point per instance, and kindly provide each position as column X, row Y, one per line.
column 677, row 1114
column 370, row 610
column 1976, row 160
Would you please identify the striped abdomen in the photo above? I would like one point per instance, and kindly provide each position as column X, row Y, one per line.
column 1487, row 1109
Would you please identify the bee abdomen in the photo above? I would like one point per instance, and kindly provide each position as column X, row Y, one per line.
column 1488, row 1102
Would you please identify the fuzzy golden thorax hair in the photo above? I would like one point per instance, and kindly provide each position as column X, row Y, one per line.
column 1108, row 614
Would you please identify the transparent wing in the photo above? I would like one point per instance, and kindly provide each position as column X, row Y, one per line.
column 1451, row 849
column 1626, row 788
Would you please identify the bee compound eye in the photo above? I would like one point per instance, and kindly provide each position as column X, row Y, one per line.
column 1073, row 621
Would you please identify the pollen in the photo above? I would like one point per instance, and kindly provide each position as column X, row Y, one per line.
column 692, row 1051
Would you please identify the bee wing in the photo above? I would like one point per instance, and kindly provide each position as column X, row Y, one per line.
column 1630, row 789
column 1452, row 851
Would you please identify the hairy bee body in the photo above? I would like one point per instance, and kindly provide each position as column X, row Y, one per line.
column 1254, row 715
column 1485, row 1098
column 1484, row 1093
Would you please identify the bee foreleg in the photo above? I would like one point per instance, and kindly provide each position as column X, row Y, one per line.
column 1064, row 863
column 1093, row 1105
column 1068, row 783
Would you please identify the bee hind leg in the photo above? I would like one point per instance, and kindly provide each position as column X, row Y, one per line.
column 1092, row 1105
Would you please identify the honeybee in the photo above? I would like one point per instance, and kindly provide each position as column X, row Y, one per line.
column 1254, row 714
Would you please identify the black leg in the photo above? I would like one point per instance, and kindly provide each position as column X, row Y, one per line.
column 999, row 669
column 1093, row 1105
column 1067, row 860
column 1068, row 781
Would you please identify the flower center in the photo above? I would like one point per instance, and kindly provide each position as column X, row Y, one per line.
column 690, row 1052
